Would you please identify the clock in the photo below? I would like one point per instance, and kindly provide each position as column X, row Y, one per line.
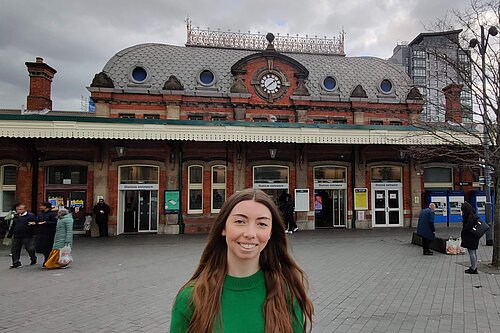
column 270, row 83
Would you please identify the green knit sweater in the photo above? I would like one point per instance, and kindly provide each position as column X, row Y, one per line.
column 242, row 302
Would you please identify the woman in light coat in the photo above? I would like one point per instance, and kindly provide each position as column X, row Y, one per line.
column 63, row 237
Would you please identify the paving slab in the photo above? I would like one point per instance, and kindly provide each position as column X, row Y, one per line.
column 361, row 281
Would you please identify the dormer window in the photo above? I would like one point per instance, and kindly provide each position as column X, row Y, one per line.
column 386, row 86
column 206, row 78
column 329, row 83
column 139, row 74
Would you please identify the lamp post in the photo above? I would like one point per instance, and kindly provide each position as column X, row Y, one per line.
column 482, row 45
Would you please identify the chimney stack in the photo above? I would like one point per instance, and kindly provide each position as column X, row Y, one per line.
column 453, row 104
column 41, row 76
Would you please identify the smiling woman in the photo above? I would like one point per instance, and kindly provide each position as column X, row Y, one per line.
column 246, row 255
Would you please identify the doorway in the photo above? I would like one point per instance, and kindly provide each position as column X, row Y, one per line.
column 140, row 211
column 329, row 208
column 387, row 204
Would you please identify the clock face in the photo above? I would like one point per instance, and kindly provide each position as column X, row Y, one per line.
column 270, row 83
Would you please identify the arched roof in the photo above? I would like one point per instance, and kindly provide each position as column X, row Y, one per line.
column 162, row 60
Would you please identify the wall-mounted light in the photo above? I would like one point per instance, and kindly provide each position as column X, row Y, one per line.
column 272, row 153
column 172, row 156
column 121, row 150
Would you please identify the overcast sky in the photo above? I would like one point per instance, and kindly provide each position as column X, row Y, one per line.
column 77, row 38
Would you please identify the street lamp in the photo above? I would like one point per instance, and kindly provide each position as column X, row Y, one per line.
column 482, row 45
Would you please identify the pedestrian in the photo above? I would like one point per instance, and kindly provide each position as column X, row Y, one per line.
column 246, row 281
column 21, row 232
column 469, row 240
column 288, row 215
column 45, row 230
column 425, row 228
column 8, row 220
column 63, row 237
column 101, row 211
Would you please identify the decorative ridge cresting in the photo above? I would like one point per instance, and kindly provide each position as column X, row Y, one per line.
column 258, row 42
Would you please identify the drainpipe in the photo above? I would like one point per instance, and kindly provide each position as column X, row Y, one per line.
column 354, row 153
column 181, row 222
column 34, row 180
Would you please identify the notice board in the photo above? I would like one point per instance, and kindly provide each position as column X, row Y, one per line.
column 302, row 200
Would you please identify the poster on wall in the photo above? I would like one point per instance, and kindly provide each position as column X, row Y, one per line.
column 361, row 198
column 172, row 201
column 301, row 200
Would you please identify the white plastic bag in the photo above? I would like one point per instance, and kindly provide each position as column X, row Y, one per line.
column 65, row 257
column 451, row 246
column 460, row 249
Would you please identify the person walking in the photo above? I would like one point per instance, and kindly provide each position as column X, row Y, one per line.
column 63, row 237
column 288, row 215
column 8, row 219
column 21, row 232
column 469, row 240
column 425, row 228
column 101, row 211
column 246, row 280
column 45, row 230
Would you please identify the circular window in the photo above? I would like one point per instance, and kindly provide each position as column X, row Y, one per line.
column 139, row 74
column 207, row 77
column 386, row 86
column 329, row 83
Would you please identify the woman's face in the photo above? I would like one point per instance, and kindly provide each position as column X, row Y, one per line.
column 247, row 231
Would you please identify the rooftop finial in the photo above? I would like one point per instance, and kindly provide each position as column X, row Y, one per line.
column 270, row 39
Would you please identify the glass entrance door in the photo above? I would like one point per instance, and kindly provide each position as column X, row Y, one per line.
column 329, row 208
column 140, row 211
column 387, row 207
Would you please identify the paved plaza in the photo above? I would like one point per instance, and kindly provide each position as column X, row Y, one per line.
column 361, row 281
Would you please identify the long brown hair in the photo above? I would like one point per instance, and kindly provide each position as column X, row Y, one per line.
column 286, row 282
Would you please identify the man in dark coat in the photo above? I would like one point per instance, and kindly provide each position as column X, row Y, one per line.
column 22, row 230
column 425, row 228
column 101, row 211
column 45, row 230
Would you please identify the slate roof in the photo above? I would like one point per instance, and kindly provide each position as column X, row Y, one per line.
column 162, row 60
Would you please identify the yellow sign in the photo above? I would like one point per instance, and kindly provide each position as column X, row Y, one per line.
column 360, row 199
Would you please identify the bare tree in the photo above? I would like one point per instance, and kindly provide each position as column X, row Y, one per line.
column 476, row 75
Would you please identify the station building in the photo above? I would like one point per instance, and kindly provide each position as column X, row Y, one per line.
column 177, row 129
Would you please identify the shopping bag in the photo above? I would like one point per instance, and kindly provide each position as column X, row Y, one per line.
column 7, row 241
column 451, row 246
column 479, row 228
column 460, row 249
column 65, row 256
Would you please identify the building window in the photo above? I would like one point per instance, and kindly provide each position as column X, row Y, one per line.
column 386, row 174
column 218, row 187
column 419, row 72
column 376, row 122
column 195, row 189
column 319, row 120
column 438, row 178
column 66, row 175
column 151, row 116
column 135, row 174
column 219, row 118
column 126, row 115
column 282, row 120
column 395, row 123
column 386, row 86
column 206, row 78
column 329, row 174
column 263, row 176
column 260, row 120
column 195, row 117
column 8, row 177
column 339, row 121
column 329, row 83
column 139, row 74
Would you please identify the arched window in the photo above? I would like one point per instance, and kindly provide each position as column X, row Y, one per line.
column 8, row 176
column 438, row 178
column 218, row 187
column 195, row 189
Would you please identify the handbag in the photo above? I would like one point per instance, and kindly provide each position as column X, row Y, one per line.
column 479, row 228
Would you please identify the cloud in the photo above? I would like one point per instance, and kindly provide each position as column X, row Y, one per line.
column 77, row 38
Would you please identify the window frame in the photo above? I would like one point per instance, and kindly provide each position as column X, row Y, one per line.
column 6, row 188
column 217, row 186
column 194, row 186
